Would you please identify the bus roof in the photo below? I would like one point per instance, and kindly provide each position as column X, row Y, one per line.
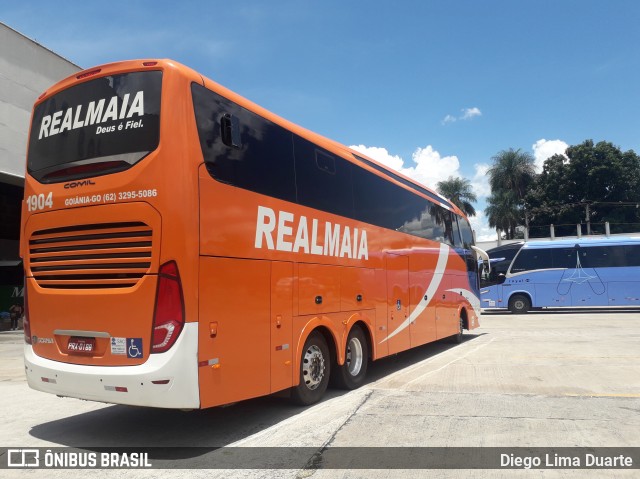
column 603, row 241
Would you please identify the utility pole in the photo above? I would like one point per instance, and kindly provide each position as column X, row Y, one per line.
column 587, row 219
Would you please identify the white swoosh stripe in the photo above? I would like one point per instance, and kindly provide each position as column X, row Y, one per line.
column 469, row 296
column 443, row 257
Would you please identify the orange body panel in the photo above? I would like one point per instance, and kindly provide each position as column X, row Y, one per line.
column 398, row 302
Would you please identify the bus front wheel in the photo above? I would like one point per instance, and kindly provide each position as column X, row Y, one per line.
column 519, row 304
column 315, row 366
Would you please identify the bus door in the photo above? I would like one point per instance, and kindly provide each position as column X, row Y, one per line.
column 281, row 325
column 234, row 330
column 398, row 303
column 423, row 327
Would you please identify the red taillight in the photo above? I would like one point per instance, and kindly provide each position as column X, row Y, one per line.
column 90, row 169
column 88, row 74
column 168, row 318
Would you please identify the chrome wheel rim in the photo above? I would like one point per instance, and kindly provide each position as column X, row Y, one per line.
column 519, row 304
column 354, row 356
column 313, row 367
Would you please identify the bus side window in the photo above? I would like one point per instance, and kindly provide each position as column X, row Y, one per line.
column 457, row 238
column 603, row 256
column 323, row 180
column 467, row 233
column 532, row 259
column 632, row 254
column 564, row 257
column 243, row 149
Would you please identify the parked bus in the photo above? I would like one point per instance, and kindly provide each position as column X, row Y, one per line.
column 567, row 273
column 186, row 248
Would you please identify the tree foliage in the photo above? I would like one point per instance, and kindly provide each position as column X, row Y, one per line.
column 503, row 212
column 600, row 175
column 459, row 192
column 510, row 176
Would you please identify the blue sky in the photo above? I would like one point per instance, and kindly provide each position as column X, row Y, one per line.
column 432, row 88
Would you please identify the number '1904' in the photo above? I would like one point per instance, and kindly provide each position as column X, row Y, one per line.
column 39, row 202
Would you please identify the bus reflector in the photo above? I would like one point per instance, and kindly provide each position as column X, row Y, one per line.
column 118, row 389
column 168, row 318
column 149, row 64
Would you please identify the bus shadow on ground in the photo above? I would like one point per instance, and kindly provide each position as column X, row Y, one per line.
column 174, row 433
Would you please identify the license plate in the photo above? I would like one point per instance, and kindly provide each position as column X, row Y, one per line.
column 81, row 345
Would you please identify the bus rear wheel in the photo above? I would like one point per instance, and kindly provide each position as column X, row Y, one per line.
column 519, row 304
column 315, row 367
column 352, row 373
column 457, row 338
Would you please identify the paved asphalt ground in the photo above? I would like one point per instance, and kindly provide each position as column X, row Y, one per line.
column 547, row 379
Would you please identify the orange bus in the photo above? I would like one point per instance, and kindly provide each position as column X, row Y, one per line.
column 186, row 248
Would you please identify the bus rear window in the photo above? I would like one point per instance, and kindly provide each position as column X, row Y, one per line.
column 97, row 127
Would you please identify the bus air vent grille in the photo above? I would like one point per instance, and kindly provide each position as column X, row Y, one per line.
column 91, row 256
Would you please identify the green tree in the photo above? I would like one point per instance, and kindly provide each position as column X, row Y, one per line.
column 512, row 170
column 502, row 212
column 460, row 193
column 600, row 175
column 510, row 177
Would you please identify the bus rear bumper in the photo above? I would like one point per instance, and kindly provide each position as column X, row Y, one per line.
column 166, row 380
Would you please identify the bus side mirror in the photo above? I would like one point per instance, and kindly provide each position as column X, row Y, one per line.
column 486, row 261
column 501, row 278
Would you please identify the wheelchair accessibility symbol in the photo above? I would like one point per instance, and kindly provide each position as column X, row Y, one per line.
column 134, row 347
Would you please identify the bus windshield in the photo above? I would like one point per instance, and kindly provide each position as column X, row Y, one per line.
column 97, row 127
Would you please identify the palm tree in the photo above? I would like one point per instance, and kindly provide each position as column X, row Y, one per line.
column 511, row 175
column 512, row 170
column 458, row 191
column 502, row 212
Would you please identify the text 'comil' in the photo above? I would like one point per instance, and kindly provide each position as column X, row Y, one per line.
column 284, row 231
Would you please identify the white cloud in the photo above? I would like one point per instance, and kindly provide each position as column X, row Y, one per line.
column 449, row 119
column 543, row 149
column 429, row 166
column 381, row 155
column 467, row 114
column 480, row 225
column 480, row 181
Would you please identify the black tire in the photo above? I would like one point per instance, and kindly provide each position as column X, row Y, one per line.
column 352, row 373
column 457, row 338
column 519, row 304
column 315, row 368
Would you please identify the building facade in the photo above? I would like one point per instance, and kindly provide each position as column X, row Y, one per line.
column 27, row 69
